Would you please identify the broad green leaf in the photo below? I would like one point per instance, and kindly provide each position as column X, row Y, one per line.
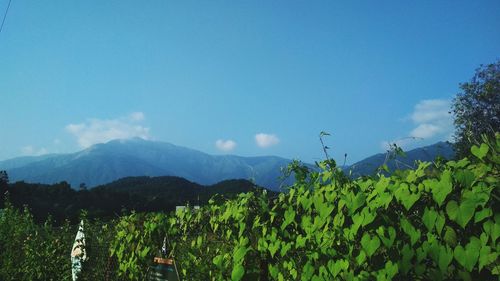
column 300, row 241
column 357, row 201
column 486, row 257
column 305, row 201
column 391, row 270
column 468, row 257
column 238, row 272
column 338, row 266
column 239, row 253
column 325, row 210
column 452, row 210
column 422, row 252
column 217, row 260
column 484, row 239
column 440, row 221
column 307, row 271
column 273, row 247
column 481, row 151
column 461, row 214
column 307, row 225
column 361, row 258
column 368, row 216
column 382, row 184
column 410, row 230
column 429, row 218
column 339, row 220
column 481, row 215
column 370, row 245
column 465, row 177
column 384, row 199
column 404, row 195
column 291, row 193
column 450, row 236
column 440, row 189
column 495, row 231
column 289, row 217
column 285, row 248
column 273, row 270
column 294, row 273
column 392, row 235
column 407, row 255
column 488, row 226
column 144, row 252
column 445, row 257
column 318, row 201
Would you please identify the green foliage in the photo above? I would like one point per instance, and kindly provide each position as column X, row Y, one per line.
column 4, row 182
column 417, row 225
column 30, row 251
column 477, row 109
column 141, row 194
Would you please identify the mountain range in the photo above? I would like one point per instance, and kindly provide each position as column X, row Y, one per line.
column 104, row 163
column 107, row 162
column 394, row 161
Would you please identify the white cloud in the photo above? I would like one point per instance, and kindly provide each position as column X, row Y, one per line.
column 425, row 131
column 98, row 131
column 432, row 118
column 266, row 140
column 137, row 116
column 29, row 150
column 431, row 110
column 225, row 145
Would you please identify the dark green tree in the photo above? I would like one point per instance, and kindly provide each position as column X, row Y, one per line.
column 4, row 182
column 477, row 108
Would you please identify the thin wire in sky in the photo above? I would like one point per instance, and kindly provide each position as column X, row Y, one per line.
column 5, row 15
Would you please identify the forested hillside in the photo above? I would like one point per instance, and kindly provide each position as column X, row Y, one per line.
column 141, row 194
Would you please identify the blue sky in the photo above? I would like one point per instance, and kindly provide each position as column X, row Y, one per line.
column 239, row 77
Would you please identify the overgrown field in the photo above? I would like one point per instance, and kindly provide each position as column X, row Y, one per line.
column 440, row 221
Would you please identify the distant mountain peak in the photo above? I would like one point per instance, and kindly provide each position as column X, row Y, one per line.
column 370, row 164
column 105, row 162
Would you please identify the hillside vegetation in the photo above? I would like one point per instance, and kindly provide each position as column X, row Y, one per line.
column 140, row 194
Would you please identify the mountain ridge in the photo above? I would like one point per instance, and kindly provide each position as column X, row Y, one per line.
column 369, row 165
column 104, row 163
column 107, row 162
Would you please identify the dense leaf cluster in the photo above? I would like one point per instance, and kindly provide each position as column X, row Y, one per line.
column 477, row 108
column 440, row 221
column 32, row 251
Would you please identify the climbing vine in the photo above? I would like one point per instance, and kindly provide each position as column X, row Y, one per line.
column 439, row 221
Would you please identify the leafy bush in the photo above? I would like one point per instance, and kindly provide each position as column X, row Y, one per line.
column 33, row 252
column 440, row 221
column 30, row 251
column 437, row 222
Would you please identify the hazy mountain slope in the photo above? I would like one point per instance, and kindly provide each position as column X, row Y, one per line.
column 369, row 165
column 23, row 161
column 104, row 163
